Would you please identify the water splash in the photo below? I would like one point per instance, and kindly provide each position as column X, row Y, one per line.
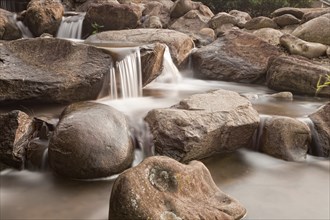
column 71, row 26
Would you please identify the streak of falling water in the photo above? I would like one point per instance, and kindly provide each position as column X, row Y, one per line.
column 71, row 26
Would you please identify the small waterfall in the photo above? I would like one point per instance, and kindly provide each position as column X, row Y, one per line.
column 71, row 26
column 170, row 73
column 14, row 6
column 259, row 132
column 26, row 33
column 44, row 161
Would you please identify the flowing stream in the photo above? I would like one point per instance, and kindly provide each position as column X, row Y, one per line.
column 268, row 187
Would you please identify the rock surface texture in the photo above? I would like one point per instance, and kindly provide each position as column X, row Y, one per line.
column 202, row 125
column 91, row 140
column 8, row 27
column 162, row 188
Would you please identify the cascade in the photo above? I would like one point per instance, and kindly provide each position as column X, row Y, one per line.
column 14, row 6
column 26, row 33
column 71, row 25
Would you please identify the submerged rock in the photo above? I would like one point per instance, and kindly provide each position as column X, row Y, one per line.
column 237, row 56
column 297, row 75
column 15, row 133
column 162, row 188
column 202, row 125
column 180, row 44
column 51, row 70
column 285, row 138
column 321, row 120
column 91, row 140
column 44, row 16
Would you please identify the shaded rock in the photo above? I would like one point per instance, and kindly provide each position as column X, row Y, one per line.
column 162, row 188
column 328, row 52
column 87, row 4
column 202, row 125
column 316, row 30
column 204, row 37
column 236, row 56
column 43, row 16
column 270, row 35
column 111, row 16
column 181, row 7
column 151, row 61
column 299, row 47
column 152, row 22
column 321, row 120
column 51, row 70
column 91, row 140
column 285, row 20
column 260, row 22
column 222, row 18
column 285, row 138
column 296, row 75
column 309, row 15
column 15, row 133
column 8, row 27
column 297, row 12
column 158, row 9
column 180, row 44
column 241, row 16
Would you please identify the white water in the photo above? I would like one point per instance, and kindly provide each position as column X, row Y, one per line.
column 71, row 26
column 26, row 33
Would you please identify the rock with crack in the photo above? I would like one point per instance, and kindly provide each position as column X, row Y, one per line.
column 162, row 188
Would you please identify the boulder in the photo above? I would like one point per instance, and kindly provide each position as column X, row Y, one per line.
column 270, row 35
column 8, row 27
column 297, row 75
column 152, row 56
column 314, row 14
column 285, row 138
column 181, row 7
column 15, row 133
column 321, row 120
column 84, row 6
column 51, row 70
column 162, row 188
column 297, row 12
column 285, row 20
column 299, row 47
column 221, row 19
column 110, row 16
column 237, row 56
column 180, row 44
column 152, row 22
column 328, row 52
column 241, row 16
column 157, row 9
column 260, row 22
column 43, row 16
column 316, row 30
column 202, row 125
column 91, row 140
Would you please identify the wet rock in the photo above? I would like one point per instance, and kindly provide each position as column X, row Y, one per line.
column 202, row 125
column 260, row 22
column 297, row 75
column 8, row 27
column 51, row 71
column 282, row 96
column 43, row 16
column 111, row 16
column 270, row 35
column 162, row 188
column 297, row 12
column 15, row 133
column 151, row 61
column 315, row 30
column 180, row 44
column 299, row 47
column 91, row 140
column 321, row 120
column 241, row 16
column 286, row 19
column 221, row 19
column 285, row 138
column 237, row 56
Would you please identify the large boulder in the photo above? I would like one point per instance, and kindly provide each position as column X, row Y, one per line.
column 180, row 44
column 241, row 16
column 297, row 75
column 51, row 71
column 83, row 7
column 270, row 35
column 8, row 27
column 316, row 30
column 285, row 138
column 297, row 12
column 286, row 19
column 110, row 16
column 202, row 125
column 260, row 22
column 309, row 15
column 43, row 16
column 300, row 47
column 15, row 133
column 321, row 120
column 237, row 56
column 157, row 9
column 91, row 140
column 181, row 7
column 221, row 19
column 162, row 188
